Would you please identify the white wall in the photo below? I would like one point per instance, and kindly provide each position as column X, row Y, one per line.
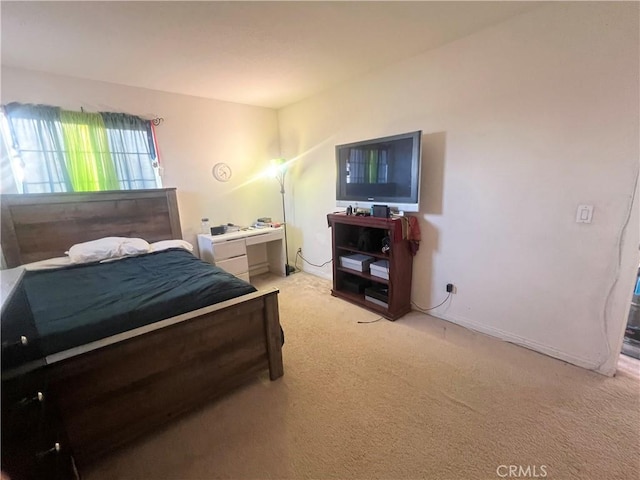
column 522, row 122
column 196, row 134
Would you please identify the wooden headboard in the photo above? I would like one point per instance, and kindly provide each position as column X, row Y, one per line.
column 44, row 225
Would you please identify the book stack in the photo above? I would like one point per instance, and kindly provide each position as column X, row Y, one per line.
column 263, row 222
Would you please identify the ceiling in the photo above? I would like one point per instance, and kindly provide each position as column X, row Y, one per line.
column 268, row 54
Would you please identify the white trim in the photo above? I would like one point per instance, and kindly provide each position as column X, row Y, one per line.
column 523, row 342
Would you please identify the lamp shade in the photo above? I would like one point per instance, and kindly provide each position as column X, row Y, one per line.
column 278, row 167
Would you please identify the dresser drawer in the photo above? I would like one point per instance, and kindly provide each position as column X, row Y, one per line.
column 236, row 265
column 34, row 441
column 230, row 249
column 48, row 460
column 23, row 418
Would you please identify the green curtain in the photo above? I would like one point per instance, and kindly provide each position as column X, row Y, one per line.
column 88, row 159
column 373, row 166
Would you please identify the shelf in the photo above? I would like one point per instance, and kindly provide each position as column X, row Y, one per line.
column 366, row 275
column 364, row 221
column 358, row 298
column 380, row 255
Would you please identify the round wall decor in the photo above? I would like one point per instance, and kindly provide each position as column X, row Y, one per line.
column 221, row 172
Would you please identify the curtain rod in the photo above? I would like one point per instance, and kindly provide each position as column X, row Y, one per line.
column 155, row 120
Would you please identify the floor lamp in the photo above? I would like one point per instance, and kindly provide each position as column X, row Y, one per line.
column 279, row 170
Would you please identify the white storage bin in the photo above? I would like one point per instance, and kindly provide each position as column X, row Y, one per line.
column 380, row 269
column 357, row 262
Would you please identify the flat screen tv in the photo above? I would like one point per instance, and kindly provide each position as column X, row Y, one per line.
column 381, row 171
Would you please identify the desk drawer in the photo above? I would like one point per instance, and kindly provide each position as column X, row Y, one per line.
column 236, row 265
column 265, row 237
column 230, row 249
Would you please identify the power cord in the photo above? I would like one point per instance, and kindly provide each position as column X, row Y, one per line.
column 418, row 307
column 298, row 254
column 373, row 321
column 421, row 309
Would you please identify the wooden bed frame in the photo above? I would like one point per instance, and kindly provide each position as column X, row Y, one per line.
column 113, row 390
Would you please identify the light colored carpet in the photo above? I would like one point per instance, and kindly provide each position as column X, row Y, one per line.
column 415, row 398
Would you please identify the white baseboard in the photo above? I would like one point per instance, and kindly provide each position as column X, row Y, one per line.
column 318, row 272
column 524, row 342
column 589, row 364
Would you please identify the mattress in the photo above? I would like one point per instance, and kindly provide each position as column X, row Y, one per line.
column 83, row 303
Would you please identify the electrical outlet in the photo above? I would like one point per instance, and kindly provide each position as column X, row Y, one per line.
column 450, row 287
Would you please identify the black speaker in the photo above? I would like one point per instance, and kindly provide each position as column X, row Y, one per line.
column 382, row 211
column 364, row 239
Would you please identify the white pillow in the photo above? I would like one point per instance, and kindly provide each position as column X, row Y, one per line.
column 134, row 246
column 166, row 244
column 108, row 247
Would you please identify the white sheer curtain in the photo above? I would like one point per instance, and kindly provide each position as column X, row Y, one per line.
column 132, row 149
column 36, row 137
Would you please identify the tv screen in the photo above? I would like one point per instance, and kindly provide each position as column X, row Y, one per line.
column 381, row 171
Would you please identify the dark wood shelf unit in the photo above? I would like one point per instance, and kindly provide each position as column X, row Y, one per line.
column 346, row 231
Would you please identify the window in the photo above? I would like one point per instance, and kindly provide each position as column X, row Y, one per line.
column 47, row 149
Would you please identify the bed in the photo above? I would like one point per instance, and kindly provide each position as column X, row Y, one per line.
column 107, row 385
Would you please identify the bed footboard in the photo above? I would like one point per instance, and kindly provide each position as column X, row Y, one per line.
column 115, row 393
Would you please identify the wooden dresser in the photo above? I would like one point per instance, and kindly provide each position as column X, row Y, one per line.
column 34, row 442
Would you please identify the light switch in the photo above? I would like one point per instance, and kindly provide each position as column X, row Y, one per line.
column 584, row 213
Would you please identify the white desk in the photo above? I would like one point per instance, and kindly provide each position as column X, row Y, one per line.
column 247, row 252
